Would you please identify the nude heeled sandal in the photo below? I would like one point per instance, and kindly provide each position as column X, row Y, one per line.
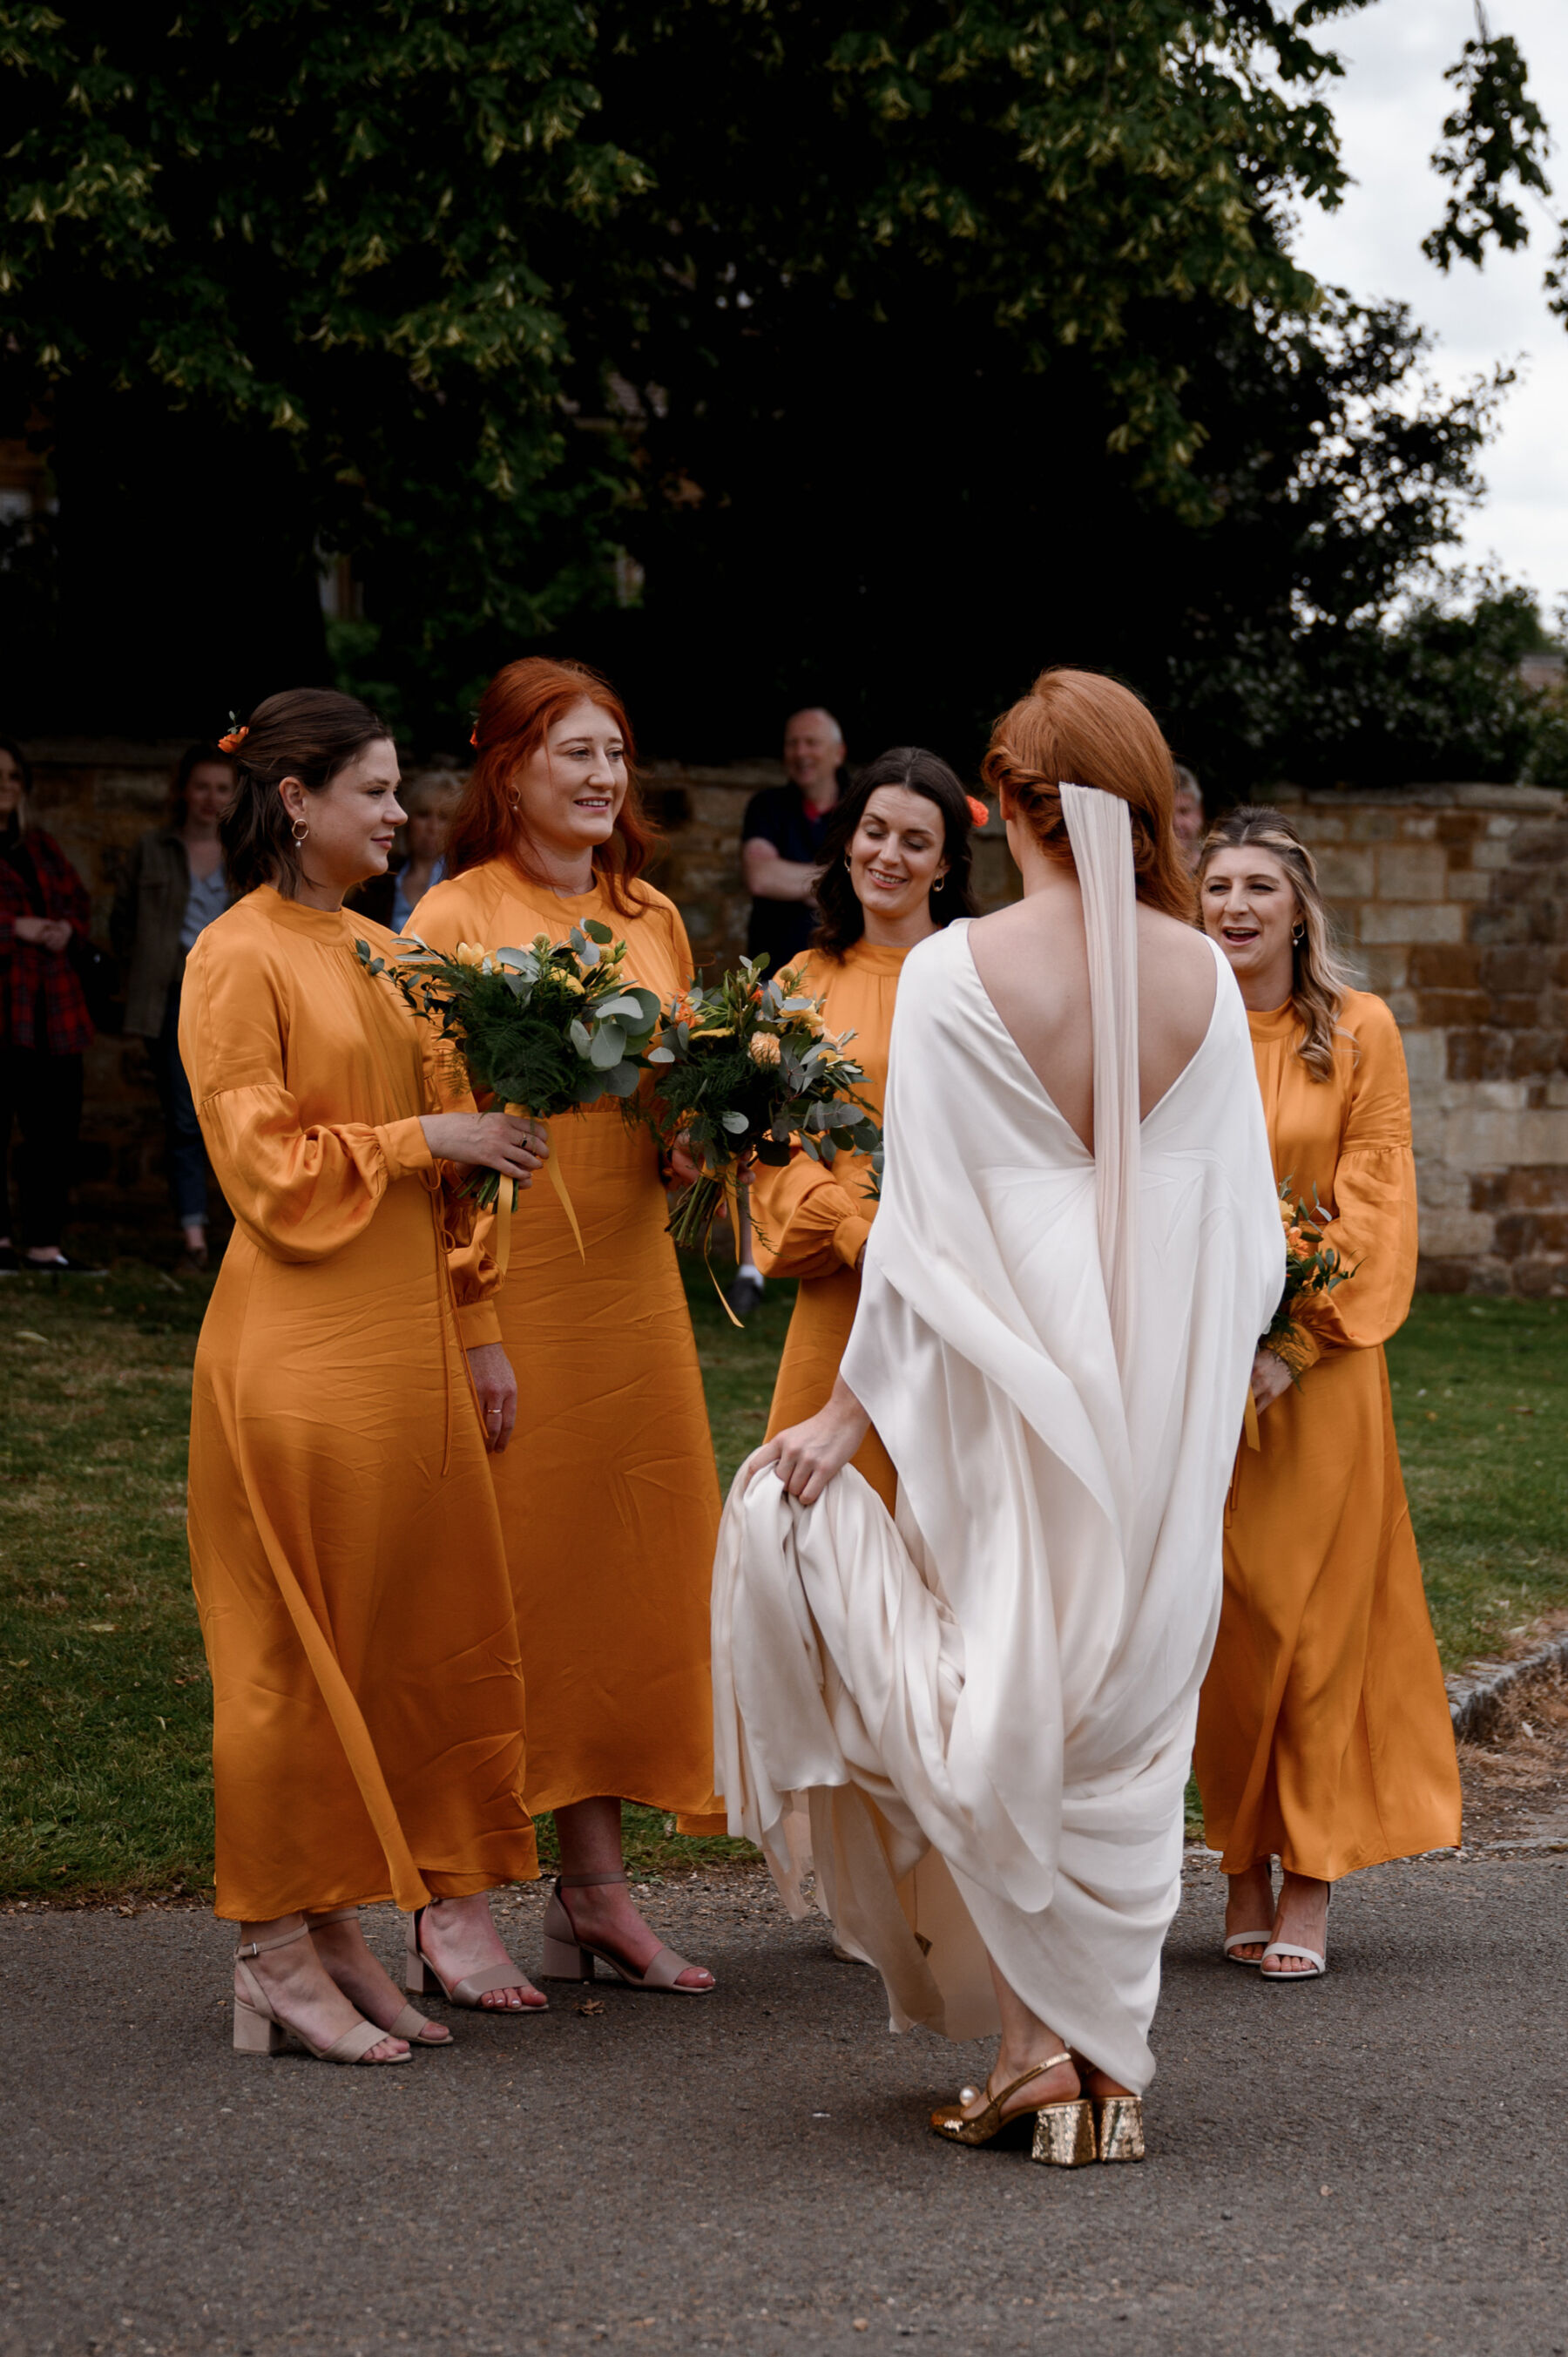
column 567, row 1958
column 410, row 2023
column 259, row 2031
column 1316, row 1960
column 417, row 1966
column 1063, row 2132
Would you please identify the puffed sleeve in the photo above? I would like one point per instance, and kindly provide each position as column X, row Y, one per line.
column 806, row 1222
column 301, row 1193
column 1374, row 1223
column 467, row 1231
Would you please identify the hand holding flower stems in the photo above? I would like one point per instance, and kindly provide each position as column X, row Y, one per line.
column 1312, row 1269
column 545, row 1031
column 742, row 1071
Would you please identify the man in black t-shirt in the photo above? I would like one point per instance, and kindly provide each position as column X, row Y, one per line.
column 781, row 837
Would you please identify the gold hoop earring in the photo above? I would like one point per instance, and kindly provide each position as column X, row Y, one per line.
column 299, row 832
column 940, row 885
column 848, row 867
column 1299, row 935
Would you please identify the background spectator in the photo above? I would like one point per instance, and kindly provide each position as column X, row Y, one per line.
column 43, row 1024
column 1187, row 815
column 174, row 886
column 419, row 855
column 781, row 837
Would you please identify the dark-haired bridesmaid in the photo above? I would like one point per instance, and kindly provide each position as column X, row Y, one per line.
column 895, row 870
column 367, row 1696
column 612, row 1513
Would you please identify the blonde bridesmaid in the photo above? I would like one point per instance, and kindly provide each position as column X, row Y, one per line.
column 347, row 1557
column 895, row 870
column 610, row 1516
column 1324, row 1736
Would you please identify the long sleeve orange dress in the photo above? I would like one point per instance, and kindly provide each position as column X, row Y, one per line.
column 1324, row 1734
column 810, row 1221
column 345, row 1551
column 608, row 1493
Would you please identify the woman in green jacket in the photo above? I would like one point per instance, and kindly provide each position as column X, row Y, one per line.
column 172, row 888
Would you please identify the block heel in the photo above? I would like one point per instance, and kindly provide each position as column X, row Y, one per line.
column 564, row 1961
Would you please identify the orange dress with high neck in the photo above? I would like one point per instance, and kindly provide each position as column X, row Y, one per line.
column 608, row 1493
column 345, row 1548
column 810, row 1219
column 1324, row 1734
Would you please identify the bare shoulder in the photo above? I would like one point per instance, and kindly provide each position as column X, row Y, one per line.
column 1175, row 947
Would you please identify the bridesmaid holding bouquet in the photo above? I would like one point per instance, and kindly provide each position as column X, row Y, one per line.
column 368, row 1701
column 610, row 1517
column 895, row 870
column 1324, row 1737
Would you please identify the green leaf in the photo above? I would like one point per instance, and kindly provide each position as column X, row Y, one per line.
column 580, row 1037
column 598, row 932
column 735, row 1123
column 608, row 1046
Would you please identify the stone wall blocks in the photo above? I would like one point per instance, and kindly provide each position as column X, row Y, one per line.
column 1500, row 921
column 1510, row 798
column 1364, row 824
column 1458, row 1235
column 1460, row 827
column 1412, row 923
column 1442, row 1009
column 1346, row 875
column 1446, row 965
column 1469, row 884
column 1539, row 1280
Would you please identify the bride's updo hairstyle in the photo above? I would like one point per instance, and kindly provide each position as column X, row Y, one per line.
column 1079, row 728
column 1318, row 981
column 309, row 733
column 517, row 711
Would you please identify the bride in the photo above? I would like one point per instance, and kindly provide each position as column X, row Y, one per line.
column 974, row 1725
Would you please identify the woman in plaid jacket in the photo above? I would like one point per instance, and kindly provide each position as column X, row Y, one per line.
column 43, row 1024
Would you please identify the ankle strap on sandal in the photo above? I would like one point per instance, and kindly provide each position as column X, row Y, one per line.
column 586, row 1881
column 261, row 1947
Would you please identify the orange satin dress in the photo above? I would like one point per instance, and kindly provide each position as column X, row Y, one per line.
column 608, row 1493
column 810, row 1221
column 345, row 1551
column 1324, row 1734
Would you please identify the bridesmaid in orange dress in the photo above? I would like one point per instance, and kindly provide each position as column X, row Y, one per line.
column 368, row 1701
column 1324, row 1736
column 611, row 1513
column 895, row 870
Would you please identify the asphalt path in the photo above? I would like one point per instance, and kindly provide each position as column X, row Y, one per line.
column 1376, row 2162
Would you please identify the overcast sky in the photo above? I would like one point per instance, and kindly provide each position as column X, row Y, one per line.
column 1390, row 106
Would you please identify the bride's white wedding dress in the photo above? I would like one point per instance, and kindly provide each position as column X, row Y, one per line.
column 976, row 1725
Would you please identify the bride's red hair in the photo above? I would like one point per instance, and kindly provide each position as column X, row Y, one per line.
column 1079, row 728
column 517, row 711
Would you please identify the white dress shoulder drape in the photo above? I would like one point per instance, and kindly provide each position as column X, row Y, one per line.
column 976, row 1725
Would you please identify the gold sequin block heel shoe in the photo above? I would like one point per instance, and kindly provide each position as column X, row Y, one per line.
column 1063, row 2134
column 1119, row 2127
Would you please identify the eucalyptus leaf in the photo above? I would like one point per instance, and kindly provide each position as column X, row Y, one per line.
column 598, row 932
column 580, row 1037
column 735, row 1123
column 608, row 1046
column 661, row 1055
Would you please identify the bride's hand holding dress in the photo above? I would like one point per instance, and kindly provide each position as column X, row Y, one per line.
column 808, row 1455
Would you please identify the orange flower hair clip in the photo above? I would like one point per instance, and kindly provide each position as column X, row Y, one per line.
column 977, row 809
column 234, row 739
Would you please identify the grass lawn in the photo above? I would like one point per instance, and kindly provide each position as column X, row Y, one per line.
column 103, row 1694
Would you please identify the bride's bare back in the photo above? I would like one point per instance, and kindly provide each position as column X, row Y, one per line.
column 1033, row 960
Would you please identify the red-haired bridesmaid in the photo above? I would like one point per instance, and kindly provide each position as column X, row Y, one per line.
column 610, row 1502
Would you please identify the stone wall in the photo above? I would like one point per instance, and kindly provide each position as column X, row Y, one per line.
column 1452, row 901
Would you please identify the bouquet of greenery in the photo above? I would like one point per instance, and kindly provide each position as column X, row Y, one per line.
column 545, row 1031
column 1312, row 1269
column 742, row 1068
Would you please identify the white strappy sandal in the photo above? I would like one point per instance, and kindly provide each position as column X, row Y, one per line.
column 1245, row 1940
column 1316, row 1960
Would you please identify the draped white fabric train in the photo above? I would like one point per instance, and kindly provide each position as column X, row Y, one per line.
column 976, row 1725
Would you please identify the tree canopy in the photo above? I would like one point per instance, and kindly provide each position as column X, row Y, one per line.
column 893, row 357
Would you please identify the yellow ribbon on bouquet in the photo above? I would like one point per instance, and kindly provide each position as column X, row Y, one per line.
column 506, row 1202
